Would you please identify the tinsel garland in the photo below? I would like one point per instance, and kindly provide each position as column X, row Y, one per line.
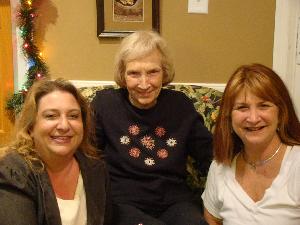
column 37, row 68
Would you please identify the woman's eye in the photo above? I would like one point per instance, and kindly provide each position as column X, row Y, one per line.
column 74, row 116
column 265, row 106
column 133, row 74
column 153, row 72
column 240, row 107
column 50, row 116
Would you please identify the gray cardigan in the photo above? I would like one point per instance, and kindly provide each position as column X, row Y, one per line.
column 27, row 197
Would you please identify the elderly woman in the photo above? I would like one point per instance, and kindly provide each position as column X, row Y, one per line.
column 254, row 178
column 147, row 133
column 51, row 174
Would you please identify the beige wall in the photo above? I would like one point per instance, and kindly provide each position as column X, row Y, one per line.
column 205, row 47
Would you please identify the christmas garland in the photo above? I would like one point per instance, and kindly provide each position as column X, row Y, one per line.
column 37, row 69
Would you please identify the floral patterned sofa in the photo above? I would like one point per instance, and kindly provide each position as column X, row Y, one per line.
column 206, row 101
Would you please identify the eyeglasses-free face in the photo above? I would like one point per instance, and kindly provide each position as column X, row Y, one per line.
column 58, row 129
column 144, row 78
column 255, row 120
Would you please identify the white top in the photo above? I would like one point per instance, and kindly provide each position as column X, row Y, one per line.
column 73, row 212
column 225, row 199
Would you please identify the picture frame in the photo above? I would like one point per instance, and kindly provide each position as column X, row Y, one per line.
column 118, row 18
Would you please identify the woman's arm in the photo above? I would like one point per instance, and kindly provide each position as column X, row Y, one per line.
column 17, row 192
column 210, row 219
column 96, row 107
column 16, row 207
column 212, row 194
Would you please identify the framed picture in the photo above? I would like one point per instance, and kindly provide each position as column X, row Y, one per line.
column 118, row 18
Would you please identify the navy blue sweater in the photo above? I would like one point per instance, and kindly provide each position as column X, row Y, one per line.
column 146, row 150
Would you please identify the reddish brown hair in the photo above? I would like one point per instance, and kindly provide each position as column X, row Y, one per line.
column 265, row 84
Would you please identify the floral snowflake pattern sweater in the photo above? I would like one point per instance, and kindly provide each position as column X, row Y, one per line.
column 146, row 150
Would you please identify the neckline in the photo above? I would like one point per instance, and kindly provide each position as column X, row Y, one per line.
column 78, row 192
column 139, row 110
column 242, row 194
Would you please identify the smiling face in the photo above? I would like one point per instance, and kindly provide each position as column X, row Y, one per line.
column 254, row 120
column 144, row 78
column 58, row 128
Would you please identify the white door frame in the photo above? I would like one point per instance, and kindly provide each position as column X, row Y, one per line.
column 284, row 52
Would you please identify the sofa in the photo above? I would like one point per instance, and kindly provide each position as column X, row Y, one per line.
column 206, row 101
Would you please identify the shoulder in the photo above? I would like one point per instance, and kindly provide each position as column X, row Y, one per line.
column 174, row 93
column 108, row 91
column 218, row 174
column 293, row 173
column 107, row 100
column 174, row 96
column 293, row 156
column 15, row 172
column 296, row 149
column 13, row 160
column 217, row 169
column 108, row 95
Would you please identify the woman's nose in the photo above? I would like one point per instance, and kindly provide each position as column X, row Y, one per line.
column 143, row 82
column 253, row 115
column 63, row 123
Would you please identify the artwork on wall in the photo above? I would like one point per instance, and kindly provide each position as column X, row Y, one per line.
column 118, row 18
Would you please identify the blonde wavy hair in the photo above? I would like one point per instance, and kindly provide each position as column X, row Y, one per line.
column 24, row 144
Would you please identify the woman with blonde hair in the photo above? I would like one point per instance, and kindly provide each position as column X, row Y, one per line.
column 51, row 174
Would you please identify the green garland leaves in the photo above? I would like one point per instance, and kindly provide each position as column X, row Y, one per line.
column 37, row 68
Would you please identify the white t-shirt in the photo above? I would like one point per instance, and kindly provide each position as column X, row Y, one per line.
column 73, row 212
column 225, row 199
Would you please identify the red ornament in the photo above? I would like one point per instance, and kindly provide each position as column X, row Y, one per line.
column 24, row 92
column 39, row 76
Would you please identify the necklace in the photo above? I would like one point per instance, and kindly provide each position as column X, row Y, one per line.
column 253, row 165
